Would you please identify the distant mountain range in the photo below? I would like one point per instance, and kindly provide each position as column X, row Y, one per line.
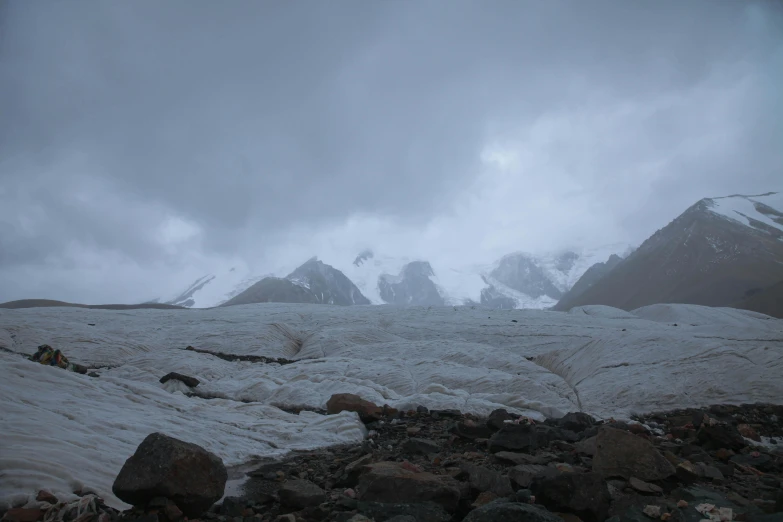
column 518, row 280
column 720, row 252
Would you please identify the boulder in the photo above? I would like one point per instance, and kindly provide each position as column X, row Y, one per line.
column 526, row 437
column 368, row 411
column 420, row 446
column 523, row 475
column 619, row 453
column 392, row 482
column 190, row 381
column 482, row 479
column 576, row 421
column 644, row 487
column 584, row 494
column 497, row 419
column 381, row 512
column 510, row 512
column 719, row 436
column 163, row 466
column 470, row 430
column 299, row 494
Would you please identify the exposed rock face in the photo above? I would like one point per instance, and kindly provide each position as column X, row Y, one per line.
column 313, row 282
column 520, row 272
column 391, row 482
column 593, row 274
column 619, row 453
column 412, row 287
column 491, row 297
column 706, row 256
column 163, row 466
column 363, row 256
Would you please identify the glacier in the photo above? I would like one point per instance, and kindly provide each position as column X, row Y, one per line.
column 66, row 432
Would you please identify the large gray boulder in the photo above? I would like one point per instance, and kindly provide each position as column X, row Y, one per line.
column 163, row 466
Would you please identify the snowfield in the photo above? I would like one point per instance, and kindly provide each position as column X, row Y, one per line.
column 65, row 431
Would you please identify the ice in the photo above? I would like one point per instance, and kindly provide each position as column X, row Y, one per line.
column 62, row 430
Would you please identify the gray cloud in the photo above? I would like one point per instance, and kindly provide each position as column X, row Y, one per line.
column 244, row 121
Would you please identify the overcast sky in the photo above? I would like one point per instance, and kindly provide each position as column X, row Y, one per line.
column 145, row 143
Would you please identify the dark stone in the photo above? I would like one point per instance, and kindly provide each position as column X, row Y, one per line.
column 163, row 466
column 621, row 454
column 420, row 446
column 510, row 512
column 471, row 430
column 382, row 512
column 523, row 475
column 299, row 494
column 720, row 436
column 233, row 506
column 189, row 381
column 497, row 418
column 482, row 479
column 584, row 494
column 422, row 409
column 368, row 411
column 576, row 421
column 390, row 482
column 446, row 414
column 762, row 463
column 525, row 437
column 523, row 495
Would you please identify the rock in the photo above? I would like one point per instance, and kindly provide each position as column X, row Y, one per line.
column 747, row 431
column 510, row 512
column 484, row 498
column 523, row 475
column 576, row 422
column 497, row 418
column 163, row 466
column 470, row 430
column 525, row 437
column 584, row 494
column 483, row 479
column 720, row 436
column 523, row 495
column 420, row 446
column 586, row 446
column 622, row 454
column 422, row 409
column 652, row 511
column 518, row 458
column 46, row 496
column 233, row 506
column 380, row 512
column 391, row 482
column 403, row 518
column 712, row 473
column 644, row 487
column 688, row 472
column 23, row 515
column 299, row 494
column 761, row 461
column 189, row 381
column 368, row 411
column 292, row 518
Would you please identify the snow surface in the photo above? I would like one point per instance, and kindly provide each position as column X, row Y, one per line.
column 740, row 208
column 62, row 430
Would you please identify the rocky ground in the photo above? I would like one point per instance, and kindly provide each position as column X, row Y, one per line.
column 720, row 463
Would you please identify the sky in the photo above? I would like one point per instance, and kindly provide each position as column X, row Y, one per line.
column 144, row 144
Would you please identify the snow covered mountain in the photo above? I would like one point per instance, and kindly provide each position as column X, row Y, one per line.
column 518, row 280
column 313, row 282
column 215, row 289
column 719, row 252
